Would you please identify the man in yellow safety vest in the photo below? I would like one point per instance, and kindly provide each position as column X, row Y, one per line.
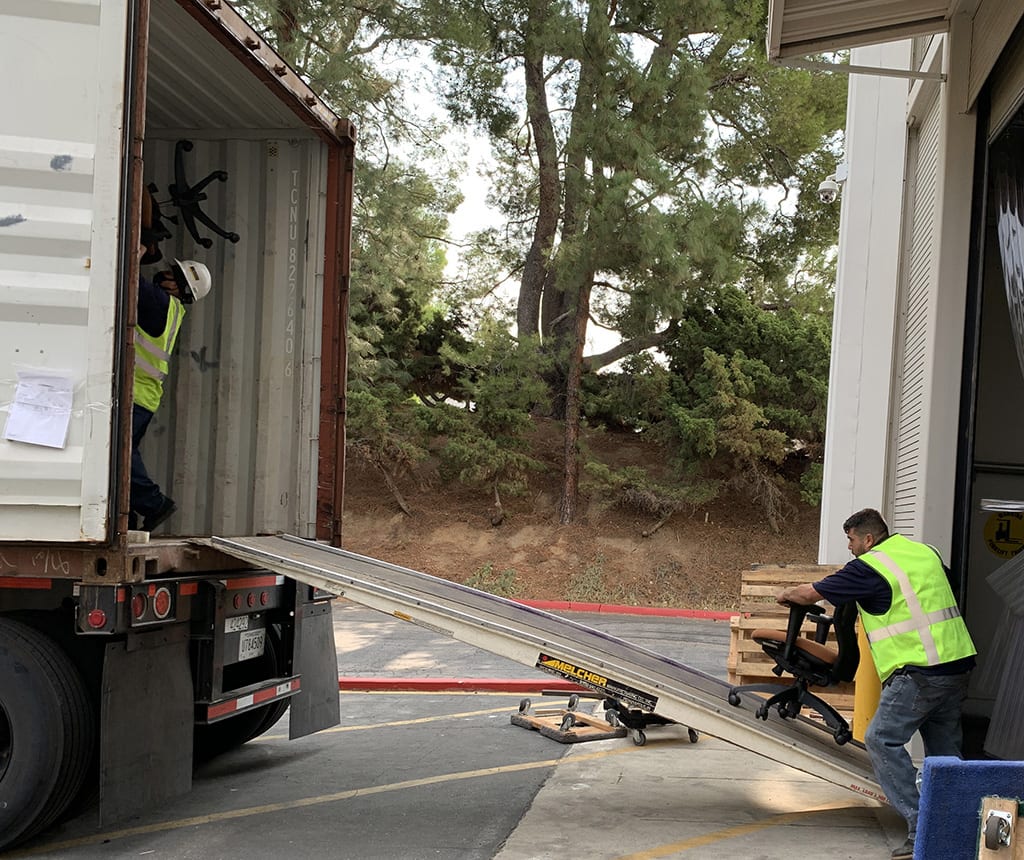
column 920, row 647
column 161, row 310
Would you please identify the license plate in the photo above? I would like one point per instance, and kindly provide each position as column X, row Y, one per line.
column 233, row 625
column 250, row 644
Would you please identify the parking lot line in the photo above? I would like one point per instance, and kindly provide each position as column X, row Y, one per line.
column 732, row 832
column 302, row 802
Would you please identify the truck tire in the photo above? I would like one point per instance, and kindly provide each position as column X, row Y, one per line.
column 47, row 732
column 216, row 738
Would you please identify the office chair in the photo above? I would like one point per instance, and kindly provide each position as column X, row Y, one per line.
column 811, row 662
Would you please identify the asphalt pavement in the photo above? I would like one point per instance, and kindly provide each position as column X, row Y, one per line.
column 412, row 774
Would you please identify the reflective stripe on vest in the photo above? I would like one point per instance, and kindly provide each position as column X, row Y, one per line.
column 152, row 357
column 922, row 626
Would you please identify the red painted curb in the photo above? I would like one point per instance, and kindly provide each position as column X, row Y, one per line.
column 572, row 606
column 462, row 685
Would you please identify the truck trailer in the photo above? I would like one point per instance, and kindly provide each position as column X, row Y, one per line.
column 125, row 655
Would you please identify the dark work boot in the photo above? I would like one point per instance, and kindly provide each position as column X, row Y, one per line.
column 159, row 515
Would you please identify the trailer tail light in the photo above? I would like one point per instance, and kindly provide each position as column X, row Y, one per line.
column 236, row 601
column 250, row 598
column 96, row 619
column 138, row 605
column 162, row 602
column 264, row 598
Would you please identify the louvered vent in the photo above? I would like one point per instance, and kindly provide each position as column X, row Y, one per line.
column 914, row 316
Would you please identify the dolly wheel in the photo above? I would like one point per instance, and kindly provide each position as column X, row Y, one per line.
column 568, row 721
column 639, row 737
column 694, row 735
column 574, row 701
column 524, row 705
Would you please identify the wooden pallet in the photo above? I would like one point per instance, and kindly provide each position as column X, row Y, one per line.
column 747, row 663
column 566, row 725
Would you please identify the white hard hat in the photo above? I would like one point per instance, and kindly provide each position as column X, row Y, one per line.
column 193, row 280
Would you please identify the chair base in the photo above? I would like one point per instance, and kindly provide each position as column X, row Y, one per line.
column 789, row 700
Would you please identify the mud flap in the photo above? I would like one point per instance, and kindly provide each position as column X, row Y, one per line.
column 147, row 717
column 316, row 706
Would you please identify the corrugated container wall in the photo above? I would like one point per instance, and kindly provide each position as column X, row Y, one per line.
column 234, row 442
column 60, row 179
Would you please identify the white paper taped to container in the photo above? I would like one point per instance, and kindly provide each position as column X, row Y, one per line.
column 41, row 410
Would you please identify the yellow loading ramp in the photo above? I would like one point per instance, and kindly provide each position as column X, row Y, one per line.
column 606, row 664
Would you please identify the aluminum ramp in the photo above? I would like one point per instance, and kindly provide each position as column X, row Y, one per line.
column 605, row 663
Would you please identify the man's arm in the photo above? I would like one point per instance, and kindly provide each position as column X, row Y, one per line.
column 802, row 595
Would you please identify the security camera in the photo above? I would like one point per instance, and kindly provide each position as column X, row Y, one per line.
column 828, row 191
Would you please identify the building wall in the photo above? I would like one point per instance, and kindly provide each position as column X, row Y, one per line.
column 857, row 432
column 898, row 331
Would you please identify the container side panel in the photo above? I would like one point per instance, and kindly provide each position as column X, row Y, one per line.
column 60, row 191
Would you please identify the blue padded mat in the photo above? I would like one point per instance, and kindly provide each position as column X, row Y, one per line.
column 951, row 793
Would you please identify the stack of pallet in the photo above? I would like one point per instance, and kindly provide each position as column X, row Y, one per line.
column 747, row 663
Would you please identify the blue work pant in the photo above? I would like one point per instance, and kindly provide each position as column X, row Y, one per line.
column 145, row 498
column 909, row 703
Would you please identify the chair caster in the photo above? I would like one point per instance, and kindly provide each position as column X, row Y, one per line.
column 734, row 699
column 843, row 736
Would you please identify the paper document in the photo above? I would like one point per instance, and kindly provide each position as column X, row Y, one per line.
column 41, row 411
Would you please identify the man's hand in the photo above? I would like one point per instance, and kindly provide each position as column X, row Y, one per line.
column 802, row 595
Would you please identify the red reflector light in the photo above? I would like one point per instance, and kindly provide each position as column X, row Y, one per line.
column 138, row 606
column 162, row 602
column 264, row 598
column 250, row 598
column 97, row 619
column 236, row 601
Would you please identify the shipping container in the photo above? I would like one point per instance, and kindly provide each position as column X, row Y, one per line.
column 161, row 643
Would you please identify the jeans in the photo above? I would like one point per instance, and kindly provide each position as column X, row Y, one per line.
column 912, row 702
column 145, row 497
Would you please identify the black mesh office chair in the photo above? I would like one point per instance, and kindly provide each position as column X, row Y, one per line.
column 811, row 662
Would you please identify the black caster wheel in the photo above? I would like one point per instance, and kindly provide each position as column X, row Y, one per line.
column 612, row 718
column 568, row 721
column 762, row 713
column 734, row 699
column 574, row 700
column 843, row 736
column 524, row 705
column 694, row 735
column 639, row 737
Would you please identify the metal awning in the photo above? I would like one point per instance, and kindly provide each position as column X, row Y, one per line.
column 797, row 28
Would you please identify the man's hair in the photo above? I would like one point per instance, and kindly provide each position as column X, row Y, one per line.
column 867, row 521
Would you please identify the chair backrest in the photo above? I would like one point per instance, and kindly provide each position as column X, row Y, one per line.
column 845, row 666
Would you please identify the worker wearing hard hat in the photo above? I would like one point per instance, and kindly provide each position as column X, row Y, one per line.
column 161, row 310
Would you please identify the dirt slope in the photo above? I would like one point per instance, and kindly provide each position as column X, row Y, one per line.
column 693, row 561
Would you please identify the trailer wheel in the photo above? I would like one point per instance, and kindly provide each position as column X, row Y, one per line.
column 47, row 732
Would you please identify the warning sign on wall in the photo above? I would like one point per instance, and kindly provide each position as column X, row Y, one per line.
column 1004, row 534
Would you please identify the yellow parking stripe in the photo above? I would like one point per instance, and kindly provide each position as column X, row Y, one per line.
column 733, row 832
column 303, row 802
column 414, row 722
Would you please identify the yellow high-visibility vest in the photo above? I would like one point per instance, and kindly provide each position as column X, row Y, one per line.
column 923, row 626
column 153, row 355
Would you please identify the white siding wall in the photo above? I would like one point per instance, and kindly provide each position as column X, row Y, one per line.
column 895, row 382
column 862, row 342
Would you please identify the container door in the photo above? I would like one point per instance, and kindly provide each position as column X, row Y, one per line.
column 61, row 145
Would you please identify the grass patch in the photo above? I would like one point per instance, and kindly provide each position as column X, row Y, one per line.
column 502, row 584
